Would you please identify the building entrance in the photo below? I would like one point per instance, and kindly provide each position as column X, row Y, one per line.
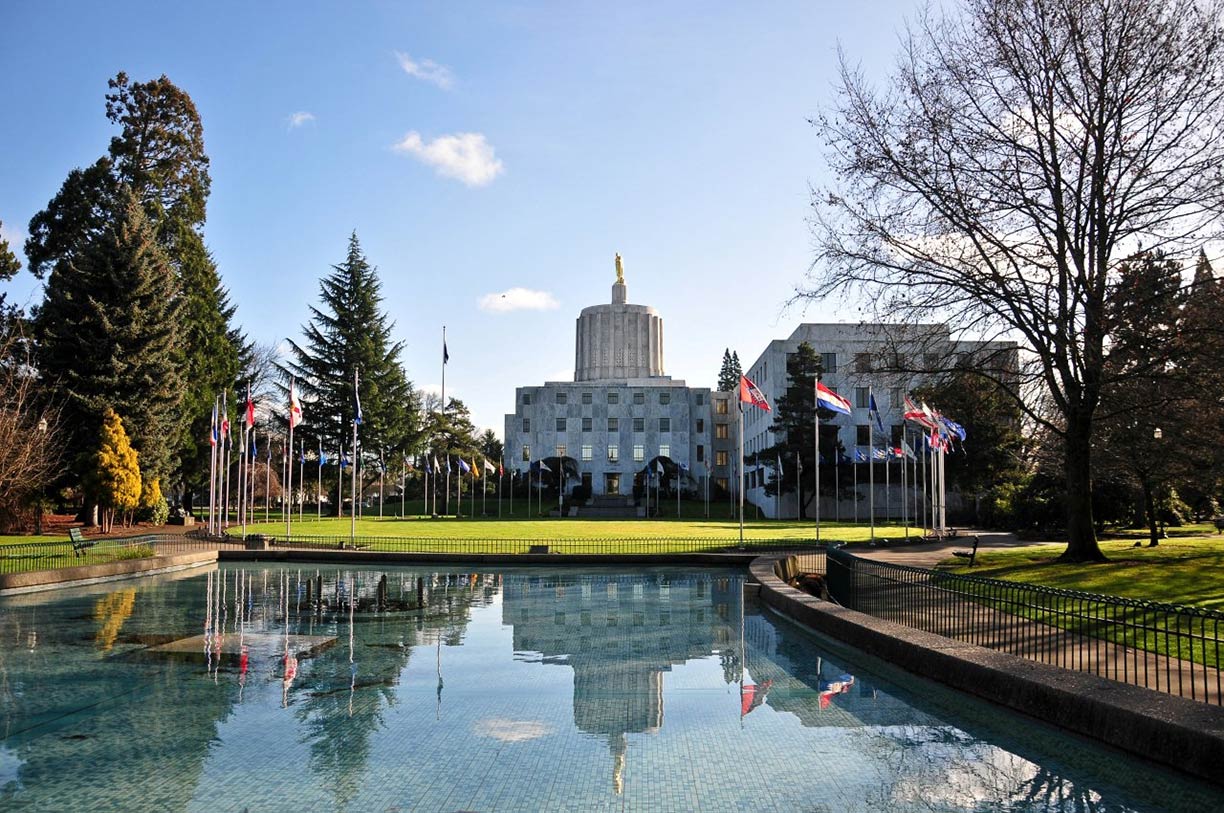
column 611, row 483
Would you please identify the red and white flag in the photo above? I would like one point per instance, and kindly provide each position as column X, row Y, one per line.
column 250, row 409
column 295, row 406
column 750, row 393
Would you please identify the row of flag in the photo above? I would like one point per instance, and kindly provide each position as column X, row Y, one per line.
column 941, row 428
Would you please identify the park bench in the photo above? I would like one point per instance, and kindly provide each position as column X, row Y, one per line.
column 79, row 543
column 971, row 555
column 537, row 549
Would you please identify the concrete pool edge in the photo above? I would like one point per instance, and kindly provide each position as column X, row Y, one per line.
column 398, row 558
column 1183, row 734
column 33, row 581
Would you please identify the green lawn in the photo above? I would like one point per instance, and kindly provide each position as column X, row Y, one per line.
column 1181, row 570
column 631, row 533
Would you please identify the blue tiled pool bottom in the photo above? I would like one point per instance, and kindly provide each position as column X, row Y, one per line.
column 267, row 689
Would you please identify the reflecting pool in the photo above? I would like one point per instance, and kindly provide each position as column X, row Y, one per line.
column 252, row 688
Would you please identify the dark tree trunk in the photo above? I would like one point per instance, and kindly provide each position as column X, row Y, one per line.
column 1149, row 509
column 1081, row 534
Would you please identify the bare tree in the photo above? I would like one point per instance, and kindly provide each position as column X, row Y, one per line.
column 31, row 445
column 1020, row 151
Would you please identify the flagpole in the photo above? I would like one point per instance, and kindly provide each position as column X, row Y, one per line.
column 225, row 454
column 741, row 476
column 268, row 481
column 319, row 486
column 871, row 459
column 212, row 468
column 904, row 485
column 242, row 457
column 289, row 463
column 887, row 483
column 855, row 464
column 446, row 500
column 353, row 471
column 302, row 479
column 816, row 447
column 501, row 476
column 382, row 473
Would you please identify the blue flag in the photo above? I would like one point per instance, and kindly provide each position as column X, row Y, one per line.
column 356, row 407
column 253, row 449
column 464, row 466
column 322, row 458
column 859, row 456
column 874, row 412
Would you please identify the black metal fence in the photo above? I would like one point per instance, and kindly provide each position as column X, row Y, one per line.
column 492, row 545
column 1165, row 647
column 24, row 557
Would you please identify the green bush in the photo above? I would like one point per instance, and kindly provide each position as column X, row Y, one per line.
column 134, row 552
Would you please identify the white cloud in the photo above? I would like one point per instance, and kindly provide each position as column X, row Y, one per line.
column 299, row 118
column 512, row 730
column 13, row 234
column 517, row 299
column 466, row 157
column 426, row 70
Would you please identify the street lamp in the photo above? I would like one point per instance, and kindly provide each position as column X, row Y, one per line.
column 38, row 509
column 1157, row 434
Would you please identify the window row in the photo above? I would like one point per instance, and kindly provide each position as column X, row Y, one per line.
column 639, row 424
column 587, row 452
column 665, row 397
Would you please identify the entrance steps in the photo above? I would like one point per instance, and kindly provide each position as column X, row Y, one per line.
column 605, row 506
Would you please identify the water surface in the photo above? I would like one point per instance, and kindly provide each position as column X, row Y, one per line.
column 340, row 689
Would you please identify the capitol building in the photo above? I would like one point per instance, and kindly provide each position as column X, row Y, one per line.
column 621, row 411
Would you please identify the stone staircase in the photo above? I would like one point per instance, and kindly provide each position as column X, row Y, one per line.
column 608, row 507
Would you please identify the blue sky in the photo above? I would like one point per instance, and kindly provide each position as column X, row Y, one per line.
column 475, row 148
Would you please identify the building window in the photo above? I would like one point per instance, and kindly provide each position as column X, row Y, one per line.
column 586, row 397
column 862, row 435
column 562, row 397
column 721, row 482
column 639, row 424
column 700, row 453
column 664, row 424
column 722, row 431
column 931, row 362
column 526, row 424
column 586, row 452
column 701, row 399
column 613, row 453
column 639, row 453
column 639, row 397
column 613, row 424
column 700, row 426
column 862, row 362
column 720, row 459
column 586, row 424
column 664, row 450
column 895, row 399
column 560, row 424
column 862, row 397
column 828, row 361
column 526, row 452
column 526, row 399
column 665, row 397
column 561, row 450
column 613, row 397
column 721, row 407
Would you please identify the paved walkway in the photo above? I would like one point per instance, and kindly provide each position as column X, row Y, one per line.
column 929, row 554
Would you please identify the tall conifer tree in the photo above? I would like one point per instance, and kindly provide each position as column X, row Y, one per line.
column 107, row 335
column 348, row 331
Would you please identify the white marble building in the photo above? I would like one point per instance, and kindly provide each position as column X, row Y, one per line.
column 620, row 411
column 885, row 360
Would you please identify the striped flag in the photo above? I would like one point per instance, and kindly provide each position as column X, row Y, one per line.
column 750, row 393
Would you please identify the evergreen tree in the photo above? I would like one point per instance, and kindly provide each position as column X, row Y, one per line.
column 107, row 335
column 348, row 332
column 794, row 426
column 726, row 375
column 9, row 266
column 114, row 477
column 729, row 374
column 491, row 446
column 159, row 155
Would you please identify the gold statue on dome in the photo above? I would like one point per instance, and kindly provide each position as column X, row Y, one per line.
column 620, row 270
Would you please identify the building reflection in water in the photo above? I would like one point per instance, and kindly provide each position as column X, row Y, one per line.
column 620, row 634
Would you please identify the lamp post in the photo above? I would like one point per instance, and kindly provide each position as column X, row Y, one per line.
column 1158, row 435
column 38, row 508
